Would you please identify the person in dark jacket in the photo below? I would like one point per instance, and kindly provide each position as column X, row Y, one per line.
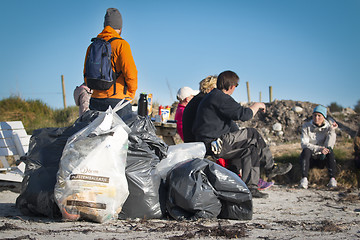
column 189, row 114
column 243, row 148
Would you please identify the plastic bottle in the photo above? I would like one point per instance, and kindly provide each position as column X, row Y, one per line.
column 143, row 105
column 160, row 108
column 149, row 98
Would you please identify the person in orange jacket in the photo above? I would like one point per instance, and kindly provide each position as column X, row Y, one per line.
column 126, row 82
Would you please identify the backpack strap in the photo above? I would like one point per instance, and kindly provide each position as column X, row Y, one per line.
column 117, row 74
column 112, row 39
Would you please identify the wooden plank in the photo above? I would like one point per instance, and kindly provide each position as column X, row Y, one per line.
column 21, row 167
column 8, row 151
column 12, row 177
column 8, row 133
column 14, row 141
column 4, row 162
column 9, row 143
column 21, row 144
column 11, row 125
column 6, row 142
column 169, row 140
column 25, row 141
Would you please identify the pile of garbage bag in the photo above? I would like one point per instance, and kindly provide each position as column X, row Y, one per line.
column 42, row 164
column 200, row 188
column 101, row 168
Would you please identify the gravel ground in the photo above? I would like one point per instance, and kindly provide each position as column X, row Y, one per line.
column 288, row 213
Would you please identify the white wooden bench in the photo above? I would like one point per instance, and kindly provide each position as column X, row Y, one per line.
column 14, row 143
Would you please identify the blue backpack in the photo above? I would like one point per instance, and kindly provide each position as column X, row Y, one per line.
column 98, row 67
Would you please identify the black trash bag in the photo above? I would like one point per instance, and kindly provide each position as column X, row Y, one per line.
column 235, row 197
column 42, row 164
column 144, row 153
column 200, row 188
column 144, row 130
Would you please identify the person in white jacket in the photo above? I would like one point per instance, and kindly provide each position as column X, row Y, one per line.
column 82, row 95
column 317, row 141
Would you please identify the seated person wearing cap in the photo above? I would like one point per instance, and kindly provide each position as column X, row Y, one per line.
column 184, row 95
column 318, row 138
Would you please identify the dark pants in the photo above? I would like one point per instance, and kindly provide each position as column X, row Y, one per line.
column 245, row 149
column 102, row 104
column 308, row 161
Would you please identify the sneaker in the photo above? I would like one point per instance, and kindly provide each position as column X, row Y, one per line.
column 332, row 183
column 279, row 169
column 257, row 194
column 304, row 183
column 262, row 185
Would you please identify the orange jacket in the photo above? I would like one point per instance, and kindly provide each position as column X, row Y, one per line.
column 124, row 62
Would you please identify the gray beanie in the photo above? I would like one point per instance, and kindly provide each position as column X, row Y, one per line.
column 113, row 18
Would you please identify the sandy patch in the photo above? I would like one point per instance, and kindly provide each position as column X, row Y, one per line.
column 288, row 213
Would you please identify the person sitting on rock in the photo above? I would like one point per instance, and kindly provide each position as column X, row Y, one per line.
column 317, row 141
column 243, row 148
column 205, row 86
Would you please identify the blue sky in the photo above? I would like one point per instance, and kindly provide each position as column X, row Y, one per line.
column 307, row 50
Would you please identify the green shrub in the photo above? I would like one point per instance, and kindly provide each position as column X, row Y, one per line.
column 357, row 107
column 334, row 107
column 35, row 114
column 66, row 116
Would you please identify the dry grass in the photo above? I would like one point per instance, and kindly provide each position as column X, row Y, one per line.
column 348, row 176
column 35, row 114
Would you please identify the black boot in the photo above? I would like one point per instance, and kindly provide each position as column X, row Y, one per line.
column 257, row 194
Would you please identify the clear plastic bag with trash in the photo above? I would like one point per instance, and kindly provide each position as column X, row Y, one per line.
column 180, row 153
column 91, row 182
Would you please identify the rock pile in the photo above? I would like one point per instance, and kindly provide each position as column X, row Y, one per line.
column 283, row 119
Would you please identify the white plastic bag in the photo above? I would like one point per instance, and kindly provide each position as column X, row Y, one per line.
column 180, row 153
column 91, row 182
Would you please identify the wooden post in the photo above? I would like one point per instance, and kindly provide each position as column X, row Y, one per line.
column 63, row 90
column 248, row 91
column 270, row 94
column 260, row 97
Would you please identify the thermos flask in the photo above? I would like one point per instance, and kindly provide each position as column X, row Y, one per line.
column 143, row 105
